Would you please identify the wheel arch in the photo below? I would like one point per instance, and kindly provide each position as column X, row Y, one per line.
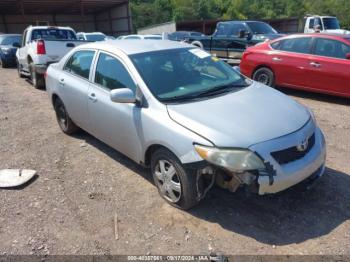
column 198, row 44
column 153, row 148
column 54, row 97
column 262, row 66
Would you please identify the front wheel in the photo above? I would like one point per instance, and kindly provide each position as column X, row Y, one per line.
column 265, row 76
column 176, row 185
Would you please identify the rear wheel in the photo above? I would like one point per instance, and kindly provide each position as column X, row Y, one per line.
column 265, row 76
column 64, row 121
column 38, row 80
column 176, row 185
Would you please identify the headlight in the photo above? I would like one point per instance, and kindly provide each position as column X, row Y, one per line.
column 6, row 50
column 236, row 160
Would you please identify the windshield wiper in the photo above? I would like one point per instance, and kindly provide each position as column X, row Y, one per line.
column 212, row 92
column 178, row 98
column 218, row 90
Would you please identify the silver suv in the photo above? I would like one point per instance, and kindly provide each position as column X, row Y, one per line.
column 188, row 116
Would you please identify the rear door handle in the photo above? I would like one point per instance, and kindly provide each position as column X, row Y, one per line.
column 62, row 81
column 277, row 59
column 315, row 64
column 93, row 97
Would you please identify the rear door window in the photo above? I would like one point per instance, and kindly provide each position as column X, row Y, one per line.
column 111, row 74
column 331, row 48
column 296, row 45
column 80, row 63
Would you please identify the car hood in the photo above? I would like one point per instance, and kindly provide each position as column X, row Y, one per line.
column 243, row 118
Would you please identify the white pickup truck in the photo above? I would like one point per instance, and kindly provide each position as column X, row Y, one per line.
column 42, row 46
column 323, row 24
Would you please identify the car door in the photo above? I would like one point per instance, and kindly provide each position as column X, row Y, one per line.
column 23, row 50
column 116, row 124
column 329, row 67
column 226, row 42
column 74, row 85
column 290, row 61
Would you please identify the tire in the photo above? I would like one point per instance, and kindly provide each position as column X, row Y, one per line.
column 38, row 80
column 198, row 44
column 3, row 64
column 64, row 121
column 265, row 76
column 19, row 71
column 177, row 187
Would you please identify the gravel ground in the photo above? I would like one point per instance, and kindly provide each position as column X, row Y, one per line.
column 82, row 185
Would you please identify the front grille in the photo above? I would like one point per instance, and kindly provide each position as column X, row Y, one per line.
column 292, row 153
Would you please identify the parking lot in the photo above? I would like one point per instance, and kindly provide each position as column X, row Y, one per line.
column 83, row 185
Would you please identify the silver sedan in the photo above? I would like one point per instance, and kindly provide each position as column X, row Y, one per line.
column 188, row 116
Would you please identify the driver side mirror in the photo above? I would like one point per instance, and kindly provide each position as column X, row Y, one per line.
column 348, row 56
column 16, row 45
column 122, row 95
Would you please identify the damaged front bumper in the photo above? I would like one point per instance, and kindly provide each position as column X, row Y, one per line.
column 312, row 165
column 276, row 177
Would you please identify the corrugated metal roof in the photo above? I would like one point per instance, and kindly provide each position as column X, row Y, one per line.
column 35, row 7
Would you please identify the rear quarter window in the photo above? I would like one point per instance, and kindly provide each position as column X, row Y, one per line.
column 275, row 45
column 80, row 63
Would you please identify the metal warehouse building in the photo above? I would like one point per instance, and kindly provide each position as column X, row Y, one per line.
column 111, row 17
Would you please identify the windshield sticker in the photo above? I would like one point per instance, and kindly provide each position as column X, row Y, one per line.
column 199, row 53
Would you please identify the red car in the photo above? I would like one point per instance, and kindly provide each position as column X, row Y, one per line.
column 314, row 62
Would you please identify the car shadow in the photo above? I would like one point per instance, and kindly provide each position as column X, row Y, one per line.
column 315, row 96
column 292, row 216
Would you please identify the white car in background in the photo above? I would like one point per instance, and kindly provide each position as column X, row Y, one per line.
column 91, row 37
column 141, row 37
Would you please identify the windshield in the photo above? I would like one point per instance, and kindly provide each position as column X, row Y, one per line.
column 53, row 34
column 95, row 37
column 260, row 28
column 9, row 40
column 330, row 23
column 186, row 73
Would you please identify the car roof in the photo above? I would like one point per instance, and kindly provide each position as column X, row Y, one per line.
column 48, row 27
column 131, row 47
column 330, row 35
column 241, row 21
column 10, row 35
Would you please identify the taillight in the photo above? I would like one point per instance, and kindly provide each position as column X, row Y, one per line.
column 40, row 47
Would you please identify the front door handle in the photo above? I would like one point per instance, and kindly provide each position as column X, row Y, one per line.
column 93, row 97
column 315, row 64
column 277, row 59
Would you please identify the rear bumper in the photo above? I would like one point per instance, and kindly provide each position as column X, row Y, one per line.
column 40, row 68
